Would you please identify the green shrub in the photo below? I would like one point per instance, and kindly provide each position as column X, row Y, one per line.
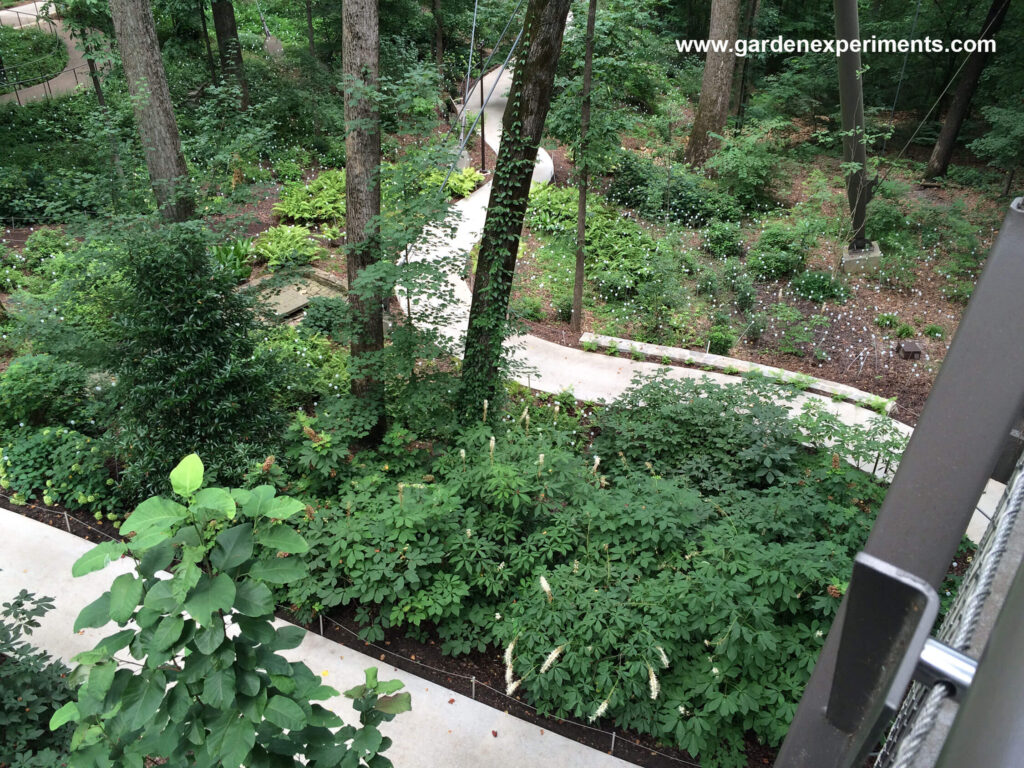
column 224, row 549
column 460, row 183
column 746, row 294
column 747, row 163
column 328, row 316
column 528, row 308
column 818, row 286
column 904, row 331
column 312, row 366
column 287, row 246
column 38, row 390
column 780, row 251
column 887, row 320
column 321, row 200
column 708, row 283
column 45, row 244
column 58, row 466
column 562, row 303
column 794, row 332
column 720, row 340
column 183, row 355
column 631, row 178
column 722, row 239
column 958, row 291
column 934, row 331
column 33, row 685
column 236, row 256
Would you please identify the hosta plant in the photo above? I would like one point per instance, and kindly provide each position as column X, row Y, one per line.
column 210, row 686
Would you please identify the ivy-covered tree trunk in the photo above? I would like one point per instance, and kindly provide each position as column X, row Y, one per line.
column 942, row 153
column 228, row 47
column 576, row 319
column 523, row 125
column 716, row 85
column 147, row 83
column 361, row 62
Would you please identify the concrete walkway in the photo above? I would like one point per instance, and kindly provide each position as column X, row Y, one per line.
column 75, row 73
column 444, row 728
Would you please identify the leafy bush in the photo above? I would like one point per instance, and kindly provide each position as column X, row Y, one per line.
column 312, row 366
column 746, row 163
column 904, row 331
column 59, row 466
column 38, row 390
column 316, row 201
column 287, row 246
column 887, row 320
column 793, row 331
column 934, row 331
column 460, row 183
column 562, row 303
column 33, row 685
column 780, row 251
column 631, row 178
column 184, row 358
column 235, row 256
column 722, row 239
column 327, row 316
column 677, row 194
column 818, row 286
column 223, row 548
column 528, row 308
column 708, row 283
column 45, row 244
column 720, row 340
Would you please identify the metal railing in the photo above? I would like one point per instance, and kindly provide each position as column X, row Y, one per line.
column 23, row 20
column 879, row 639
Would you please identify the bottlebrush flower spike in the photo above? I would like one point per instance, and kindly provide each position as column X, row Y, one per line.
column 508, row 653
column 599, row 712
column 547, row 588
column 550, row 660
column 652, row 680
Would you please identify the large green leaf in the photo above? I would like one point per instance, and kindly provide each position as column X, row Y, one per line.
column 394, row 705
column 231, row 745
column 186, row 576
column 280, row 570
column 98, row 557
column 253, row 598
column 65, row 714
column 125, row 594
column 283, row 507
column 219, row 689
column 95, row 614
column 167, row 633
column 161, row 599
column 288, row 637
column 367, row 741
column 187, row 477
column 211, row 594
column 233, row 547
column 152, row 521
column 281, row 538
column 285, row 713
column 217, row 501
column 208, row 639
column 143, row 697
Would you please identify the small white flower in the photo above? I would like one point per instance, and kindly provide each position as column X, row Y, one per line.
column 550, row 660
column 601, row 709
column 714, row 671
column 684, row 711
column 497, row 617
column 819, row 633
column 597, row 463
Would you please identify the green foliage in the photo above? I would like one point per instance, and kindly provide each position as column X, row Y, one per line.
column 310, row 366
column 327, row 316
column 43, row 245
column 722, row 239
column 748, row 162
column 780, row 251
column 183, row 355
column 674, row 193
column 31, row 56
column 58, row 466
column 287, row 246
column 818, row 286
column 887, row 320
column 1003, row 144
column 321, row 200
column 33, row 686
column 37, row 390
column 934, row 331
column 231, row 698
column 460, row 183
column 794, row 332
column 528, row 308
column 235, row 256
column 720, row 340
column 903, row 331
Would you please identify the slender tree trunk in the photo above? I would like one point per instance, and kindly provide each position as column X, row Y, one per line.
column 528, row 103
column 740, row 78
column 361, row 40
column 229, row 48
column 943, row 151
column 147, row 83
column 576, row 320
column 1009, row 182
column 438, row 38
column 716, row 85
column 206, row 40
column 309, row 27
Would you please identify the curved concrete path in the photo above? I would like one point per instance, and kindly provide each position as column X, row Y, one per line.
column 74, row 74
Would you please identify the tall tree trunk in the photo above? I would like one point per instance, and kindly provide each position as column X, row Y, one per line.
column 206, row 41
column 576, row 320
column 943, row 151
column 740, row 78
column 528, row 103
column 228, row 47
column 309, row 27
column 716, row 85
column 147, row 83
column 361, row 40
column 438, row 38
